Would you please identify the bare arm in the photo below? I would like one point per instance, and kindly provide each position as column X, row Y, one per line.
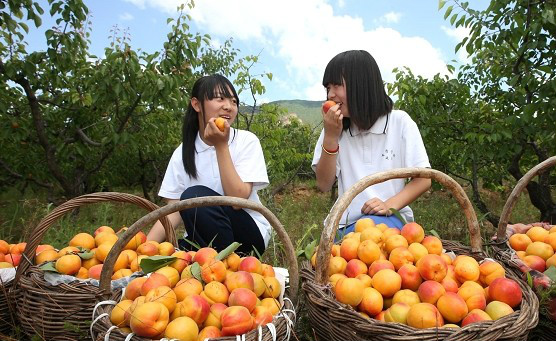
column 408, row 194
column 326, row 167
column 157, row 231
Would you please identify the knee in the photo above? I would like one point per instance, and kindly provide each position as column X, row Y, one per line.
column 197, row 191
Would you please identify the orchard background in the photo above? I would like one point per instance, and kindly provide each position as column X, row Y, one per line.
column 73, row 123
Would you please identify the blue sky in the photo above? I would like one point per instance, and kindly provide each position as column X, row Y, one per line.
column 295, row 38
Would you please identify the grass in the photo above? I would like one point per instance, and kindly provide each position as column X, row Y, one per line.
column 300, row 208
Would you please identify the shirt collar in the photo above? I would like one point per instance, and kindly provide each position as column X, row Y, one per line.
column 380, row 127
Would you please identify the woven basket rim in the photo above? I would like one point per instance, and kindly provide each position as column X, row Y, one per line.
column 39, row 231
column 333, row 220
column 210, row 201
column 332, row 312
column 33, row 290
column 521, row 321
column 517, row 190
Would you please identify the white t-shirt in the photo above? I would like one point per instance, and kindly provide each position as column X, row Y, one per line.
column 392, row 142
column 247, row 157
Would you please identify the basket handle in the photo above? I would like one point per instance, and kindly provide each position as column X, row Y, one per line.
column 201, row 202
column 333, row 220
column 37, row 234
column 519, row 187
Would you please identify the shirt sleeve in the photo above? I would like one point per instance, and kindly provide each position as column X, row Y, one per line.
column 318, row 151
column 174, row 182
column 250, row 163
column 415, row 151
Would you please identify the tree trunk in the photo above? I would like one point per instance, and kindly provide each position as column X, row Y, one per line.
column 478, row 201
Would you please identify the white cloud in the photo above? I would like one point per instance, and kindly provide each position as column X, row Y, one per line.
column 126, row 16
column 458, row 34
column 391, row 17
column 341, row 3
column 306, row 34
column 138, row 3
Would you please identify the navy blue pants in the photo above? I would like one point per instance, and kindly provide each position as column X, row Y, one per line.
column 219, row 226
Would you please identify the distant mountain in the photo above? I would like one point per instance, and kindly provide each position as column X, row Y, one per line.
column 307, row 111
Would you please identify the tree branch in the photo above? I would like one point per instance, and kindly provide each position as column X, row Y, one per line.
column 18, row 176
column 36, row 115
column 86, row 139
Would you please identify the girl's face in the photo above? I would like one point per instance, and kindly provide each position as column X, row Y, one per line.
column 219, row 106
column 337, row 93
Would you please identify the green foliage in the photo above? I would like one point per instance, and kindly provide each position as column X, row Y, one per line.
column 308, row 111
column 497, row 119
column 69, row 119
column 287, row 142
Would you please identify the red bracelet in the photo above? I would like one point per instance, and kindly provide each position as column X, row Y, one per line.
column 331, row 152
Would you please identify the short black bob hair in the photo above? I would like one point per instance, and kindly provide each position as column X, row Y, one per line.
column 366, row 97
column 205, row 88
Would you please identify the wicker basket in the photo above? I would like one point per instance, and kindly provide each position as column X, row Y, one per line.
column 6, row 308
column 546, row 329
column 63, row 312
column 333, row 320
column 281, row 326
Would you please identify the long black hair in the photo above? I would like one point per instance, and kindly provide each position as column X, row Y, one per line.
column 205, row 88
column 366, row 97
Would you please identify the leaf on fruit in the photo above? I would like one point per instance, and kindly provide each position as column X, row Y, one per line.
column 227, row 251
column 86, row 254
column 196, row 271
column 153, row 263
column 48, row 266
column 398, row 215
column 310, row 249
column 551, row 273
column 434, row 233
column 529, row 280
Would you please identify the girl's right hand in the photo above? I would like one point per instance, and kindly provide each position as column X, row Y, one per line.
column 332, row 122
column 213, row 135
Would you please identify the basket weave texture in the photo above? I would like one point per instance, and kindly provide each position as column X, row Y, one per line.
column 332, row 320
column 546, row 329
column 6, row 308
column 282, row 325
column 63, row 312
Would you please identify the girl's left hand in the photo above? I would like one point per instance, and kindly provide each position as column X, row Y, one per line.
column 375, row 206
column 214, row 136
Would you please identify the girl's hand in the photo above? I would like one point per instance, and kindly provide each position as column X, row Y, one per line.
column 214, row 136
column 375, row 206
column 332, row 122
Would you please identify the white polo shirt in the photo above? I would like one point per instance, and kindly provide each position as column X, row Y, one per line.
column 248, row 159
column 392, row 142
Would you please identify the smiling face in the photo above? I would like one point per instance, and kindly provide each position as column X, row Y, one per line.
column 337, row 93
column 219, row 106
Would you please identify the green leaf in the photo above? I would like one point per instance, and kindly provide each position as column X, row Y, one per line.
column 153, row 263
column 310, row 249
column 48, row 266
column 441, row 4
column 434, row 233
column 551, row 273
column 529, row 279
column 24, row 27
column 196, row 271
column 448, row 12
column 453, row 19
column 86, row 255
column 227, row 251
column 398, row 215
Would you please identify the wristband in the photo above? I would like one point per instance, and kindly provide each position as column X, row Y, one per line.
column 331, row 152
